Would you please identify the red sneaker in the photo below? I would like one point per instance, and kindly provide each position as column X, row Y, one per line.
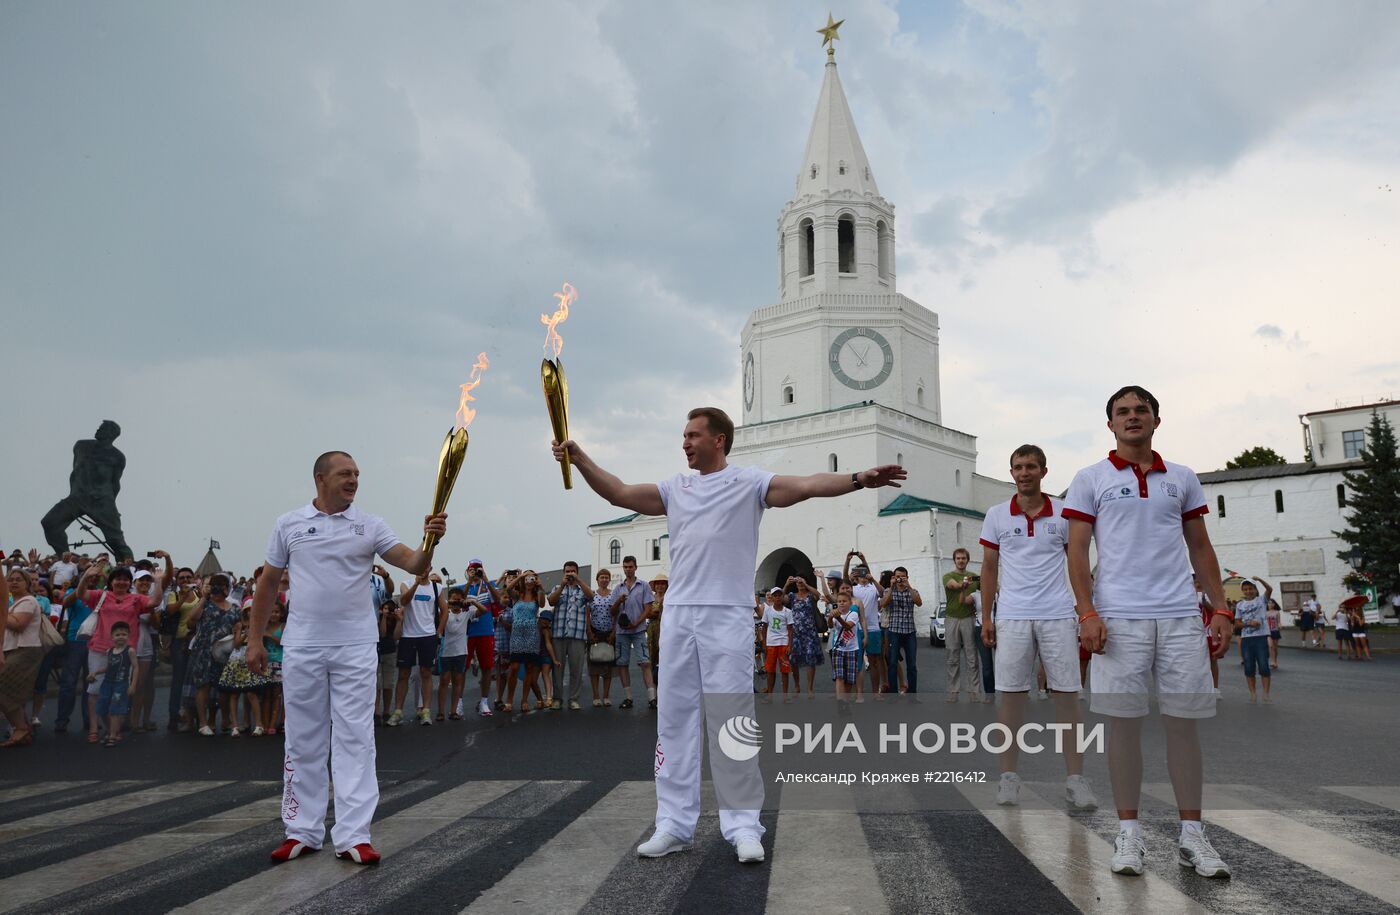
column 290, row 849
column 363, row 853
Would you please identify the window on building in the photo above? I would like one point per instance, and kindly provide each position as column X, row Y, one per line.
column 882, row 240
column 1294, row 593
column 656, row 551
column 957, row 533
column 899, row 458
column 807, row 253
column 841, row 167
column 846, row 245
column 1341, row 495
column 957, row 477
column 919, row 396
column 787, row 394
column 1278, row 501
column 814, row 170
column 1353, row 441
column 614, row 552
column 831, row 463
column 1220, row 506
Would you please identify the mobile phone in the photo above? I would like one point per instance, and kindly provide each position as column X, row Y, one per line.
column 151, row 555
column 444, row 571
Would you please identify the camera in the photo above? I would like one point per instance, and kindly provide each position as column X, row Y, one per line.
column 151, row 554
column 624, row 621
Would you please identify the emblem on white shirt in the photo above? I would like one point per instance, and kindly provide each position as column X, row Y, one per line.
column 1169, row 489
column 358, row 529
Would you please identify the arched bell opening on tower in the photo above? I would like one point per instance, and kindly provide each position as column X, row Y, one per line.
column 846, row 244
column 882, row 241
column 807, row 253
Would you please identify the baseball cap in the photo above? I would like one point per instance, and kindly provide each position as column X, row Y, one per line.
column 474, row 563
column 141, row 574
column 772, row 591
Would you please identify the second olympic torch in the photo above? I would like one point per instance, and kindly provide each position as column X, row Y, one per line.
column 556, row 385
column 454, row 448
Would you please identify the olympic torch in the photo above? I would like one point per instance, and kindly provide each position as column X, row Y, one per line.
column 454, row 448
column 556, row 386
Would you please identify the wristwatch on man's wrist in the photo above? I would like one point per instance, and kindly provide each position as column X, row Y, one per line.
column 855, row 481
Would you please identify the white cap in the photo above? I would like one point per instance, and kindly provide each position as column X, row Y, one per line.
column 775, row 591
column 141, row 574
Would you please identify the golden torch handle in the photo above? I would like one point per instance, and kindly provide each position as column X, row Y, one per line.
column 454, row 452
column 556, row 400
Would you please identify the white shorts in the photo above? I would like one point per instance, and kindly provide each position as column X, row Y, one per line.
column 1171, row 651
column 1018, row 642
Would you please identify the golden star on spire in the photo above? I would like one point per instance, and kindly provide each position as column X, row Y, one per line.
column 829, row 35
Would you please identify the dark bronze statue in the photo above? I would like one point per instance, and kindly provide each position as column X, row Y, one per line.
column 93, row 488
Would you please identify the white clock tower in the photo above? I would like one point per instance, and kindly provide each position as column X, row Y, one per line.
column 841, row 374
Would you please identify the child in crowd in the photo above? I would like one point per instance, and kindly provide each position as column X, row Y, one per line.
column 777, row 637
column 390, row 628
column 237, row 681
column 548, row 658
column 452, row 629
column 272, row 641
column 121, row 678
column 845, row 640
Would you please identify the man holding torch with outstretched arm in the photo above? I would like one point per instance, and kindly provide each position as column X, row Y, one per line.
column 713, row 518
column 329, row 656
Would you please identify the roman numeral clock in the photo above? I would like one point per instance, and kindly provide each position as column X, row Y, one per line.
column 861, row 358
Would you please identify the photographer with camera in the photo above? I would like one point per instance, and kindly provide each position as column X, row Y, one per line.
column 481, row 631
column 867, row 593
column 632, row 616
column 570, row 600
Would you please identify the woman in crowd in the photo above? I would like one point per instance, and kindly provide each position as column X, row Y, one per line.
column 181, row 607
column 52, row 659
column 1360, row 644
column 527, row 595
column 601, row 632
column 23, row 653
column 547, row 656
column 116, row 602
column 214, row 620
column 144, row 636
column 806, row 651
column 452, row 656
column 502, row 668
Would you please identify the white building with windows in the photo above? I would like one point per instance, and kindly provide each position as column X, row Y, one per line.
column 841, row 374
column 1278, row 522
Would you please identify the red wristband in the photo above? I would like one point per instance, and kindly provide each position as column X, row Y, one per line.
column 1090, row 615
column 1225, row 613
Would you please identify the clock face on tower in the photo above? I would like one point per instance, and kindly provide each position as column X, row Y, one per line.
column 749, row 383
column 861, row 358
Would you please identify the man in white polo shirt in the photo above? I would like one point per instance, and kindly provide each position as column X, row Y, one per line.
column 1139, row 616
column 330, row 656
column 713, row 517
column 1023, row 572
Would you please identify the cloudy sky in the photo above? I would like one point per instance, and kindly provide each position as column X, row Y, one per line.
column 253, row 232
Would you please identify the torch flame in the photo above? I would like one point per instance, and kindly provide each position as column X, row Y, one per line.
column 466, row 414
column 553, row 343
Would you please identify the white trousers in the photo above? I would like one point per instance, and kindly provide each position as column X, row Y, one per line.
column 709, row 679
column 329, row 697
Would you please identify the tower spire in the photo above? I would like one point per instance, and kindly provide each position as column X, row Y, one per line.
column 830, row 36
column 834, row 159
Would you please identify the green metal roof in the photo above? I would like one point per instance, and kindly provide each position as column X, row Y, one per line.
column 906, row 503
column 625, row 519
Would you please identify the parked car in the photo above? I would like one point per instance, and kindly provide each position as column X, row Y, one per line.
column 937, row 626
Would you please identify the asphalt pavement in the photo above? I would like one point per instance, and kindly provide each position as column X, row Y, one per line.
column 541, row 812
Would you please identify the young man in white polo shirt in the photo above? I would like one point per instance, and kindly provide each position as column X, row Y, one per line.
column 713, row 517
column 330, row 656
column 1138, row 615
column 1023, row 572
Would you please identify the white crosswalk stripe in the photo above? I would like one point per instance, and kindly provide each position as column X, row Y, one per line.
column 609, row 830
column 71, row 873
column 283, row 887
column 1074, row 857
column 84, row 813
column 1339, row 858
column 24, row 792
column 592, row 848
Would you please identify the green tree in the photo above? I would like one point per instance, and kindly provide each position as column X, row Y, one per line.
column 1256, row 457
column 1373, row 495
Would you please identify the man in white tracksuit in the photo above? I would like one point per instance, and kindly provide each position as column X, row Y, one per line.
column 330, row 656
column 713, row 519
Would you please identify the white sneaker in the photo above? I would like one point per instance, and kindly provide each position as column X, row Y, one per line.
column 1218, row 694
column 457, row 710
column 483, row 708
column 1009, row 789
column 660, row 845
column 1128, row 851
column 749, row 849
column 1042, row 694
column 1079, row 794
column 206, row 731
column 1194, row 850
